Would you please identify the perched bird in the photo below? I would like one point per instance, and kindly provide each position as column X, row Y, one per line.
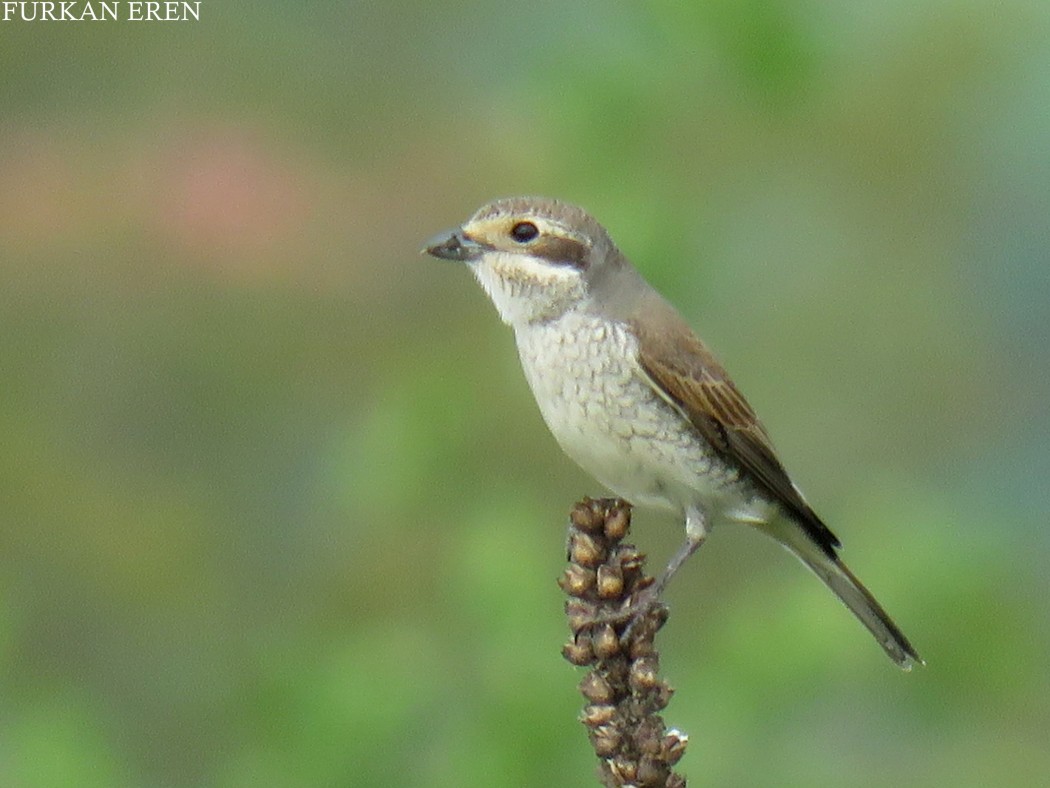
column 634, row 397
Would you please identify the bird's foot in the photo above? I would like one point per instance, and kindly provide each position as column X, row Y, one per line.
column 644, row 611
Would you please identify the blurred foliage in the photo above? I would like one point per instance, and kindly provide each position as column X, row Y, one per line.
column 277, row 506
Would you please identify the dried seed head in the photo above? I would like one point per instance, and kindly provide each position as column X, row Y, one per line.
column 576, row 580
column 606, row 740
column 596, row 688
column 643, row 674
column 579, row 652
column 629, row 557
column 596, row 715
column 626, row 771
column 674, row 746
column 618, row 523
column 585, row 550
column 652, row 772
column 580, row 614
column 584, row 517
column 614, row 624
column 641, row 647
column 609, row 581
column 643, row 583
column 662, row 696
column 606, row 642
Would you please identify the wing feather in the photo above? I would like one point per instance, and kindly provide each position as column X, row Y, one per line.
column 685, row 373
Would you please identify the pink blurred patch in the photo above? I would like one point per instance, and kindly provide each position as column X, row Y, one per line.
column 226, row 200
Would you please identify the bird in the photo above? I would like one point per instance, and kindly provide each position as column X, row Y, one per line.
column 635, row 397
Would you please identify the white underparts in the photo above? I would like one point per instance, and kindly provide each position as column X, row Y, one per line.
column 606, row 416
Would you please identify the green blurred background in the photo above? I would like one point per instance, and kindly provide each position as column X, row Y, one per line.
column 276, row 507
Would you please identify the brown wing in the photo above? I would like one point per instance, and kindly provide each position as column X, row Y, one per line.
column 687, row 374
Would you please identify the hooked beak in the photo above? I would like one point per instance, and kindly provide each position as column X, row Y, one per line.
column 453, row 245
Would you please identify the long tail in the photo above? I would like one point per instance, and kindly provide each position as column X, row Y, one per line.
column 837, row 576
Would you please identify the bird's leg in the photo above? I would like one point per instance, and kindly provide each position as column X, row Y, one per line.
column 695, row 534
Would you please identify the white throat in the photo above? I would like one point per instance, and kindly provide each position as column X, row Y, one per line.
column 525, row 290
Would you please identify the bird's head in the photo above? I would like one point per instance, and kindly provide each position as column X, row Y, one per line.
column 536, row 258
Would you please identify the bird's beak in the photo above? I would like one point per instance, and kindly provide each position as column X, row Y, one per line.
column 453, row 245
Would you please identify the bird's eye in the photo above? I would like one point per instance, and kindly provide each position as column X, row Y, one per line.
column 523, row 232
